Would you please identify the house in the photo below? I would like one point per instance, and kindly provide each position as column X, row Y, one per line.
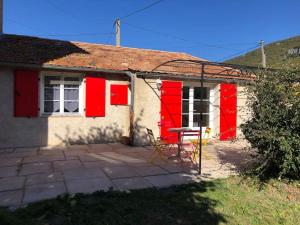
column 56, row 92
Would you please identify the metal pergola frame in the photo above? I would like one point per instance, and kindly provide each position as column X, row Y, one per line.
column 231, row 72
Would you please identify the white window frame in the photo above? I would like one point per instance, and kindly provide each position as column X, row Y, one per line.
column 61, row 83
column 191, row 105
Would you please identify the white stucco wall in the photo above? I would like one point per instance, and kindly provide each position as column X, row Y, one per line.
column 58, row 130
column 146, row 109
column 243, row 112
column 61, row 130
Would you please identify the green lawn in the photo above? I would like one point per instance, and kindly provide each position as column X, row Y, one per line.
column 230, row 201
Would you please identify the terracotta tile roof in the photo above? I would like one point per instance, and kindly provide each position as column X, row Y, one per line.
column 40, row 51
column 32, row 50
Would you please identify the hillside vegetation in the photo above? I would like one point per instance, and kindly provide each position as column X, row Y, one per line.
column 278, row 53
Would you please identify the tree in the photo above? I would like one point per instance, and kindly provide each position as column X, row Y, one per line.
column 274, row 127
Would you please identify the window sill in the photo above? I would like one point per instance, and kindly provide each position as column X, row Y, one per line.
column 62, row 115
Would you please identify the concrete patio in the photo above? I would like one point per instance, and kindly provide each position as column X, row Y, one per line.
column 33, row 174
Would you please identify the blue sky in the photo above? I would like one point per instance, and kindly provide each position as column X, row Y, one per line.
column 211, row 29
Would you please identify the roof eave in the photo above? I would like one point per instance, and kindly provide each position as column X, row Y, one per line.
column 60, row 68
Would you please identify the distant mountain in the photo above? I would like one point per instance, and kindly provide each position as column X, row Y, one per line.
column 278, row 53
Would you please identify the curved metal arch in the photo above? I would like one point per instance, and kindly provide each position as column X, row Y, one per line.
column 232, row 70
column 225, row 69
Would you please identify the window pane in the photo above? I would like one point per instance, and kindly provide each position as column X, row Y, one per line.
column 185, row 120
column 71, row 106
column 197, row 94
column 185, row 106
column 71, row 94
column 72, row 86
column 203, row 109
column 51, row 106
column 51, row 94
column 185, row 92
column 71, row 78
column 52, row 81
column 205, row 120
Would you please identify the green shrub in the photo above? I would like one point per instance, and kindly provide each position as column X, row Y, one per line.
column 274, row 127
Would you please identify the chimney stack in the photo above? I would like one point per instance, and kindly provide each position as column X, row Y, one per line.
column 1, row 17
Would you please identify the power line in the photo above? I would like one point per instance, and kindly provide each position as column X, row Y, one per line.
column 56, row 35
column 142, row 9
column 237, row 54
column 53, row 5
column 112, row 33
column 77, row 34
column 24, row 25
column 177, row 37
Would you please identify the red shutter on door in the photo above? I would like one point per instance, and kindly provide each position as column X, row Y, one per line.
column 95, row 96
column 228, row 111
column 26, row 93
column 171, row 101
column 118, row 94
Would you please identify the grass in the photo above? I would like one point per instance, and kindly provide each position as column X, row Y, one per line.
column 235, row 200
column 276, row 54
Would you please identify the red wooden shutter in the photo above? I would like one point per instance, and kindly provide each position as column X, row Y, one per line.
column 118, row 94
column 228, row 114
column 171, row 101
column 26, row 93
column 95, row 96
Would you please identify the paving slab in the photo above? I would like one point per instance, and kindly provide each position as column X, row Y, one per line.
column 101, row 164
column 34, row 168
column 78, row 147
column 120, row 172
column 6, row 150
column 83, row 174
column 109, row 159
column 131, row 183
column 97, row 167
column 51, row 152
column 88, row 185
column 124, row 158
column 53, row 148
column 34, row 149
column 11, row 183
column 9, row 171
column 11, row 198
column 90, row 157
column 18, row 154
column 43, row 158
column 43, row 191
column 74, row 152
column 170, row 179
column 117, row 145
column 145, row 154
column 172, row 168
column 43, row 178
column 149, row 170
column 100, row 147
column 129, row 149
column 67, row 165
column 9, row 161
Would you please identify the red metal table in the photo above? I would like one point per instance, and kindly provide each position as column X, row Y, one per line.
column 179, row 130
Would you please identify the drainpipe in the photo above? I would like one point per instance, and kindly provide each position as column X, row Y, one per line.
column 131, row 113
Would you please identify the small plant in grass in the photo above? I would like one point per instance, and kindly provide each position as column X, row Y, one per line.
column 274, row 127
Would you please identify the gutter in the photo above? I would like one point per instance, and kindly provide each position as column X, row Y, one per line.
column 131, row 75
